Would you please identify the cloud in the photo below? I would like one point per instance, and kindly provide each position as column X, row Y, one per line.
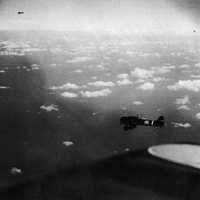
column 98, row 93
column 101, row 84
column 158, row 79
column 144, row 54
column 94, row 77
column 183, row 107
column 15, row 171
column 197, row 65
column 197, row 116
column 68, row 143
column 122, row 76
column 184, row 66
column 108, row 74
column 195, row 76
column 66, row 86
column 121, row 60
column 142, row 73
column 78, row 71
column 147, row 86
column 138, row 103
column 182, row 101
column 35, row 66
column 163, row 70
column 49, row 108
column 4, row 87
column 17, row 48
column 140, row 81
column 80, row 59
column 192, row 85
column 2, row 71
column 181, row 125
column 53, row 64
column 69, row 95
column 100, row 67
column 124, row 82
column 130, row 53
column 169, row 67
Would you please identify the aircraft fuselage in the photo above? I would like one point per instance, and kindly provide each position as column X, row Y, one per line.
column 131, row 122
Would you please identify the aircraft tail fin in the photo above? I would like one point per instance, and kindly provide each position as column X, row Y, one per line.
column 160, row 122
column 161, row 118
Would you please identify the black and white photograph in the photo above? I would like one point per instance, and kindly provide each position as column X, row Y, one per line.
column 99, row 99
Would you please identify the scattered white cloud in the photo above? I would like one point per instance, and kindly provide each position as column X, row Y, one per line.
column 129, row 53
column 197, row 65
column 15, row 171
column 182, row 101
column 122, row 76
column 17, row 48
column 94, row 114
column 35, row 66
column 169, row 67
column 138, row 103
column 147, row 86
column 183, row 107
column 123, row 108
column 2, row 71
column 49, row 108
column 34, row 49
column 192, row 85
column 100, row 67
column 121, row 60
column 140, row 81
column 69, row 95
column 79, row 71
column 98, row 93
column 124, row 82
column 11, row 53
column 195, row 76
column 142, row 73
column 176, row 54
column 144, row 54
column 181, row 125
column 4, row 87
column 66, row 86
column 184, row 66
column 101, row 84
column 79, row 59
column 159, row 79
column 197, row 116
column 108, row 74
column 127, row 149
column 68, row 143
column 162, row 70
column 53, row 65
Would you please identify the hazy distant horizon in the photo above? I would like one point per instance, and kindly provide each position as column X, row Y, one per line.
column 115, row 16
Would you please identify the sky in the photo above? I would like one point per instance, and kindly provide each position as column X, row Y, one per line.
column 126, row 16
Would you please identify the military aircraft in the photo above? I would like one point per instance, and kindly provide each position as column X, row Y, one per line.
column 131, row 122
column 20, row 12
